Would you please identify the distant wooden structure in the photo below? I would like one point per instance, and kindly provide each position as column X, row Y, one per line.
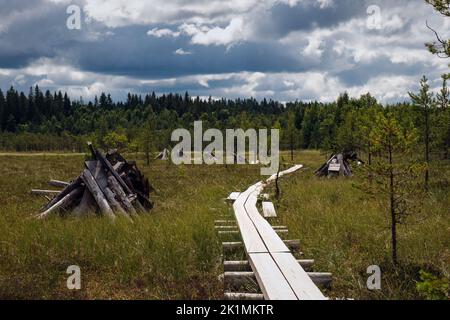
column 109, row 185
column 163, row 155
column 337, row 166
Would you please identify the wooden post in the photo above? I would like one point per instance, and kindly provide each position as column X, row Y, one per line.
column 66, row 200
column 58, row 184
column 118, row 191
column 98, row 195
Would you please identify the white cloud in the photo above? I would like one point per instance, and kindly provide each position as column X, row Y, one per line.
column 231, row 34
column 182, row 52
column 159, row 33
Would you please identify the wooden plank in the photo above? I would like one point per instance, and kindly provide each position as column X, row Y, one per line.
column 65, row 201
column 74, row 185
column 245, row 265
column 252, row 241
column 87, row 204
column 58, row 184
column 243, row 296
column 45, row 192
column 233, row 196
column 298, row 279
column 268, row 210
column 111, row 170
column 270, row 279
column 97, row 193
column 267, row 234
column 96, row 169
column 285, row 172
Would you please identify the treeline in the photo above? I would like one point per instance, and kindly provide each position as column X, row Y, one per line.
column 40, row 121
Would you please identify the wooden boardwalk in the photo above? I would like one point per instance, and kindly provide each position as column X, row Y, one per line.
column 277, row 271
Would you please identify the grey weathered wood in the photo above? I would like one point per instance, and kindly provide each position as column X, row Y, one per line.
column 58, row 184
column 97, row 193
column 74, row 185
column 87, row 204
column 119, row 166
column 275, row 268
column 270, row 279
column 228, row 247
column 65, row 201
column 45, row 192
column 302, row 285
column 224, row 232
column 233, row 266
column 226, row 227
column 96, row 169
column 239, row 279
column 243, row 296
column 233, row 196
column 225, row 222
column 269, row 210
column 118, row 191
column 111, row 170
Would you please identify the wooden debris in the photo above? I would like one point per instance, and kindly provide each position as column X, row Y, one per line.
column 338, row 165
column 58, row 184
column 269, row 210
column 109, row 185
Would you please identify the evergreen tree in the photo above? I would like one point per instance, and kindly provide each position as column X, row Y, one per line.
column 393, row 172
column 424, row 100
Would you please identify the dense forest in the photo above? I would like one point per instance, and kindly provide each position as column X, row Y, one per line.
column 44, row 121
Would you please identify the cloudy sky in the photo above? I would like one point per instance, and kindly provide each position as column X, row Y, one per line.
column 279, row 49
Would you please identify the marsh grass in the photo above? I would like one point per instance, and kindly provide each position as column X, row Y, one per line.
column 175, row 253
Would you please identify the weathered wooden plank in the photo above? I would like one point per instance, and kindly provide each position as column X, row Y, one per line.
column 243, row 296
column 269, row 210
column 97, row 194
column 74, row 185
column 45, row 192
column 233, row 196
column 267, row 234
column 298, row 279
column 96, row 169
column 245, row 265
column 111, row 170
column 270, row 279
column 65, row 201
column 252, row 240
column 87, row 204
column 58, row 184
column 285, row 172
column 115, row 187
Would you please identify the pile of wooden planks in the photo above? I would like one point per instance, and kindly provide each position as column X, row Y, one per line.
column 109, row 185
column 338, row 166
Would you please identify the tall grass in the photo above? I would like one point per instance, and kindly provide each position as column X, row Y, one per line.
column 345, row 232
column 175, row 253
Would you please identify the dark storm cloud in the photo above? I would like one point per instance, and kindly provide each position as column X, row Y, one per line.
column 293, row 46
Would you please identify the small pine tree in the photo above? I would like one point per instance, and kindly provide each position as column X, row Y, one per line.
column 393, row 174
column 425, row 101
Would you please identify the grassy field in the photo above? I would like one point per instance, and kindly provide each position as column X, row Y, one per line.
column 175, row 253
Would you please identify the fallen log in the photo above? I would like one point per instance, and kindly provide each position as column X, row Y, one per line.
column 65, row 201
column 45, row 192
column 93, row 187
column 58, row 184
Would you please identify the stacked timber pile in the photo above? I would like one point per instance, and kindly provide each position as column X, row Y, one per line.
column 338, row 165
column 109, row 185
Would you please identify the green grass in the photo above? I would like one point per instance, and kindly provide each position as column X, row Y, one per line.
column 175, row 253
